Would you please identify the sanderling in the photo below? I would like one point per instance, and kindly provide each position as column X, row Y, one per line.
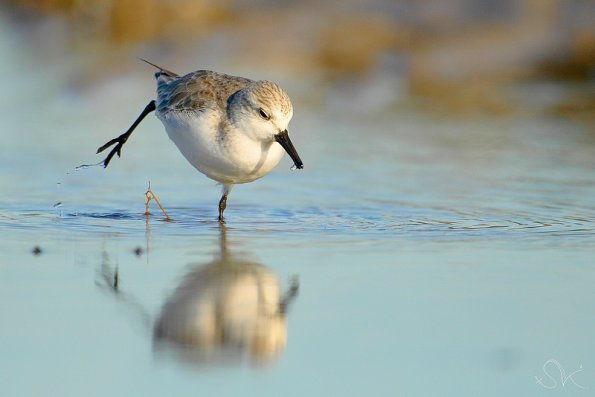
column 231, row 129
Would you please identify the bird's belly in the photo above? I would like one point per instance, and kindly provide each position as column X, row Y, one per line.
column 227, row 158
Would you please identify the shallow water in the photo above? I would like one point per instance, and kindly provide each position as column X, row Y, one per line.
column 433, row 256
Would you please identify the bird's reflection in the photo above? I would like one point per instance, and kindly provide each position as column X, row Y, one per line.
column 226, row 311
column 229, row 309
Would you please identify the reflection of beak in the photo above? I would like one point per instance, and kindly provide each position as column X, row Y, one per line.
column 283, row 139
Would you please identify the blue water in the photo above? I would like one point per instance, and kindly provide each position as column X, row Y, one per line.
column 427, row 255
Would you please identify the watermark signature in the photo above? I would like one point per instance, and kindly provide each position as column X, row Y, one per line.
column 556, row 375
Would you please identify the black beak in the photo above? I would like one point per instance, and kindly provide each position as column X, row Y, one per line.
column 283, row 139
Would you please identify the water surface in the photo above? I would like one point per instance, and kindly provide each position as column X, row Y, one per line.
column 427, row 256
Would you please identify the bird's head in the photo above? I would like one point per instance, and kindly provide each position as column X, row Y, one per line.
column 262, row 111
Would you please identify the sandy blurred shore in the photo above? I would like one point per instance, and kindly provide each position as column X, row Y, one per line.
column 450, row 56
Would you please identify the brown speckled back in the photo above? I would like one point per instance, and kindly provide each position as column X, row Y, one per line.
column 197, row 91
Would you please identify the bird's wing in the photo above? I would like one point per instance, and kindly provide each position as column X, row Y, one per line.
column 198, row 91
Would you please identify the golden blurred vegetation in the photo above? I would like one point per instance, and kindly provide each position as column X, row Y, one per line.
column 458, row 55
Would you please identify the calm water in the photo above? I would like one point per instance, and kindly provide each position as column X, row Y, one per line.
column 412, row 256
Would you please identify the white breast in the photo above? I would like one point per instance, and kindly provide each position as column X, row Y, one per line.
column 225, row 156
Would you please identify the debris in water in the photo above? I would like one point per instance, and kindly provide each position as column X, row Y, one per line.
column 138, row 251
column 151, row 196
column 85, row 166
column 37, row 250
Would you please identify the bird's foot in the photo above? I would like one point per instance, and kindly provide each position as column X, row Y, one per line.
column 119, row 141
column 222, row 205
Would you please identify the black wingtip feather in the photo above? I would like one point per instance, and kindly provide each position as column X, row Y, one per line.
column 161, row 70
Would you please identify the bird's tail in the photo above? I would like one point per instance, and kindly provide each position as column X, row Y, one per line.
column 163, row 75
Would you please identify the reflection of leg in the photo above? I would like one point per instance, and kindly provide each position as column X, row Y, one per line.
column 290, row 295
column 109, row 280
column 223, row 202
column 121, row 140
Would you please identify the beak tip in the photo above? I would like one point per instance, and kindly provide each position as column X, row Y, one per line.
column 283, row 139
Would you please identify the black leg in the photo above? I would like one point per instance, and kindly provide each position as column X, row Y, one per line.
column 222, row 205
column 121, row 140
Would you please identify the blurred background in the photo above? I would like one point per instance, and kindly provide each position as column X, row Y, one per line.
column 452, row 57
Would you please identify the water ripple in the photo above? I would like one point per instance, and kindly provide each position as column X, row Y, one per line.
column 369, row 222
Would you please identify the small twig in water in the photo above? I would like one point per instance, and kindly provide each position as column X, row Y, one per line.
column 151, row 196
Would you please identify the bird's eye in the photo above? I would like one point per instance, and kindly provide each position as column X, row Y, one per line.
column 264, row 114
